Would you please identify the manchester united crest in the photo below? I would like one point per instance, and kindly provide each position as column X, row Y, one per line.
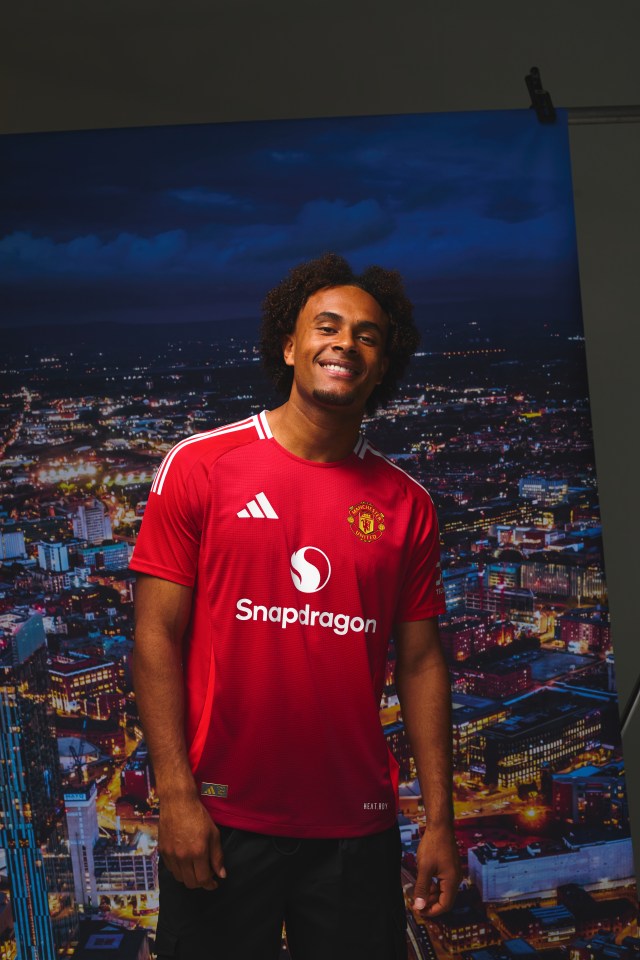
column 366, row 521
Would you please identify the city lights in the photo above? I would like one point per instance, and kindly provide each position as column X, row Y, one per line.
column 527, row 633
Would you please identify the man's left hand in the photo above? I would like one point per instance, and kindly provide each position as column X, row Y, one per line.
column 439, row 872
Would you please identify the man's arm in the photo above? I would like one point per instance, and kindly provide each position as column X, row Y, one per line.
column 423, row 686
column 188, row 840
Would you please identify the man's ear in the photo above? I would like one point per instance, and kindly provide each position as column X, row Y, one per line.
column 288, row 349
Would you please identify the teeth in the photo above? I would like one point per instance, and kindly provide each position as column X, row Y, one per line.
column 336, row 366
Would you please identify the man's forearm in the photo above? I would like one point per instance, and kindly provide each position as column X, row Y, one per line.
column 162, row 613
column 157, row 672
column 423, row 686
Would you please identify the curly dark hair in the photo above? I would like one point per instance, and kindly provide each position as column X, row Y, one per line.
column 283, row 303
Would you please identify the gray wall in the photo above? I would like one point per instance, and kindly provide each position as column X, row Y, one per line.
column 78, row 64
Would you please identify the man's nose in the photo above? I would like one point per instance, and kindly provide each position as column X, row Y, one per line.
column 345, row 341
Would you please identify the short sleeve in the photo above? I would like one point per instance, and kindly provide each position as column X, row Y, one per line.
column 168, row 544
column 422, row 593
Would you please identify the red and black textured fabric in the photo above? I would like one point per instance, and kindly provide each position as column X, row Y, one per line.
column 300, row 570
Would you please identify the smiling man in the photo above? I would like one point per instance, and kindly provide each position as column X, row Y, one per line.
column 277, row 557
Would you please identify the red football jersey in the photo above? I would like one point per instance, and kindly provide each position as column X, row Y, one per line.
column 299, row 569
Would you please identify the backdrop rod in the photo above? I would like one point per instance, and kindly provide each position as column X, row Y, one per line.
column 545, row 111
column 628, row 114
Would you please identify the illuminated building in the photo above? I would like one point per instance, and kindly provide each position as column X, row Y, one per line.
column 593, row 916
column 82, row 825
column 91, row 522
column 120, row 650
column 128, row 867
column 398, row 743
column 466, row 928
column 563, row 579
column 463, row 636
column 496, row 680
column 544, row 927
column 106, row 556
column 543, row 490
column 86, row 600
column 502, row 575
column 604, row 947
column 525, row 537
column 507, row 950
column 548, row 579
column 107, row 734
column 78, row 677
column 12, row 545
column 591, row 795
column 455, row 581
column 505, row 603
column 410, row 800
column 546, row 727
column 485, row 517
column 53, row 557
column 469, row 716
column 135, row 777
column 532, row 871
column 585, row 629
column 122, row 583
column 32, row 826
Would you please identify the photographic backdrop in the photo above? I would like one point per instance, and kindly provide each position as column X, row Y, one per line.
column 133, row 264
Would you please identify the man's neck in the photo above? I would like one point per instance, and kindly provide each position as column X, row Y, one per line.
column 316, row 433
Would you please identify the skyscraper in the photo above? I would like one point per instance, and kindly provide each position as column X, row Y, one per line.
column 32, row 826
column 82, row 823
column 12, row 544
column 91, row 522
column 53, row 556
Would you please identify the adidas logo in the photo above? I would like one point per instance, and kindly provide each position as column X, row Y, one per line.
column 260, row 508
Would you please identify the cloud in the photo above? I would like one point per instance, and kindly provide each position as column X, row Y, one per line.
column 319, row 226
column 516, row 206
column 21, row 253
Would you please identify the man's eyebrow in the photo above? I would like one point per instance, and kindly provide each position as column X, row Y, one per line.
column 330, row 315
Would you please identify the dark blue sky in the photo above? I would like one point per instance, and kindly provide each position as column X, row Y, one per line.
column 196, row 223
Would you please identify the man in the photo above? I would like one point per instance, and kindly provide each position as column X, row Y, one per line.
column 277, row 556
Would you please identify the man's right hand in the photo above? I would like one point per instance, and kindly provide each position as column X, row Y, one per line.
column 189, row 842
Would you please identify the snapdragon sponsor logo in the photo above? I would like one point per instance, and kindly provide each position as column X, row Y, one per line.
column 310, row 569
column 340, row 623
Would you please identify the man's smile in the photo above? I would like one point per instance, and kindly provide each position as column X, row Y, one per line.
column 339, row 368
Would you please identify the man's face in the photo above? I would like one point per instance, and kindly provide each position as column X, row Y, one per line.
column 337, row 348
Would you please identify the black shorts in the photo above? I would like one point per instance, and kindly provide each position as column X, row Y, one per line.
column 339, row 899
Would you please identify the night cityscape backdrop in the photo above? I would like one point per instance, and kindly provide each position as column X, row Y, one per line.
column 133, row 264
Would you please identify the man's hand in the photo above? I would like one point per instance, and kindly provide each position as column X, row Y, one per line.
column 439, row 873
column 189, row 842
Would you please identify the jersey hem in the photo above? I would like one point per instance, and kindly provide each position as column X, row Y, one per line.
column 143, row 566
column 308, row 831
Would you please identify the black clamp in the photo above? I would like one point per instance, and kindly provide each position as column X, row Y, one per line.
column 540, row 99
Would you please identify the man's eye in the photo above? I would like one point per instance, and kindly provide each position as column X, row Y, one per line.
column 327, row 329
